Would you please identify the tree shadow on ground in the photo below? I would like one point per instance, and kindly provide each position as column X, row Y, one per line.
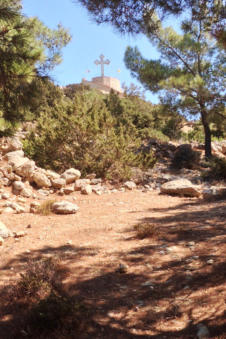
column 166, row 290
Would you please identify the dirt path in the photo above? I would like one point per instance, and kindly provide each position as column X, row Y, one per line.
column 172, row 281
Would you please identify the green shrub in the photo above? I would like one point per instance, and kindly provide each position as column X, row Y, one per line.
column 91, row 140
column 185, row 157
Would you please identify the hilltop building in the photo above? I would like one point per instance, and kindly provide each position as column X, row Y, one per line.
column 104, row 83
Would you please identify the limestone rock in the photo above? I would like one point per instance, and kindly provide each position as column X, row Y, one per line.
column 71, row 175
column 58, row 182
column 79, row 183
column 8, row 210
column 12, row 155
column 95, row 181
column 17, row 187
column 24, row 167
column 86, row 189
column 52, row 175
column 4, row 231
column 180, row 187
column 10, row 144
column 26, row 192
column 64, row 207
column 68, row 189
column 5, row 196
column 40, row 179
column 130, row 185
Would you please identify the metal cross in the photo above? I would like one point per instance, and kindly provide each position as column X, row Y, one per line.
column 102, row 62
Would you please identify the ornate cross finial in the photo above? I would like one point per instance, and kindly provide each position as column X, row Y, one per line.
column 102, row 62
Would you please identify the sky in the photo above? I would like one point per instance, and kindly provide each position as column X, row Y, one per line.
column 89, row 41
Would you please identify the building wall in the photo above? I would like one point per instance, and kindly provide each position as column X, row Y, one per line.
column 104, row 84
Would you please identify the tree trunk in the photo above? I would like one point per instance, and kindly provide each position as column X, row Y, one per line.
column 207, row 132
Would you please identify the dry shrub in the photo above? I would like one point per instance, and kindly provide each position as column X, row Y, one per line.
column 46, row 207
column 146, row 230
column 48, row 311
column 185, row 157
column 40, row 278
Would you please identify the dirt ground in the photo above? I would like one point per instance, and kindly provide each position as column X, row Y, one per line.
column 171, row 282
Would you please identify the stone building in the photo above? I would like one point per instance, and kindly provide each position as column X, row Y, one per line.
column 104, row 83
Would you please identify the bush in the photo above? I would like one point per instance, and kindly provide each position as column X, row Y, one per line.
column 40, row 278
column 91, row 140
column 146, row 230
column 185, row 157
column 217, row 169
column 48, row 312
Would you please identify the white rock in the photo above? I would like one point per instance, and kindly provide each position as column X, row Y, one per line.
column 87, row 189
column 11, row 155
column 5, row 196
column 52, row 175
column 130, row 185
column 10, row 144
column 40, row 179
column 181, row 187
column 71, row 175
column 4, row 231
column 17, row 187
column 68, row 189
column 58, row 182
column 79, row 183
column 64, row 207
column 26, row 192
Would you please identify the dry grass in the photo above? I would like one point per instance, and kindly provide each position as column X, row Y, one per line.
column 146, row 230
column 46, row 207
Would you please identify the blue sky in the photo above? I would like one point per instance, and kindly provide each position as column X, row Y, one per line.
column 89, row 40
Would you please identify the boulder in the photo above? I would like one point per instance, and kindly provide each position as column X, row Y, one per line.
column 24, row 167
column 10, row 144
column 17, row 187
column 40, row 179
column 86, row 189
column 95, row 181
column 11, row 155
column 26, row 192
column 79, row 183
column 52, row 175
column 130, row 185
column 180, row 187
column 68, row 189
column 58, row 182
column 71, row 175
column 4, row 231
column 64, row 207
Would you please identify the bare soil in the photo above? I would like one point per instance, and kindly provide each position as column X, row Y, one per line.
column 171, row 281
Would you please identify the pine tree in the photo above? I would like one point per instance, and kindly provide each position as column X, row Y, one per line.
column 27, row 49
column 190, row 73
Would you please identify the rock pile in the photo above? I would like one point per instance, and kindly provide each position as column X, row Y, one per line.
column 22, row 181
